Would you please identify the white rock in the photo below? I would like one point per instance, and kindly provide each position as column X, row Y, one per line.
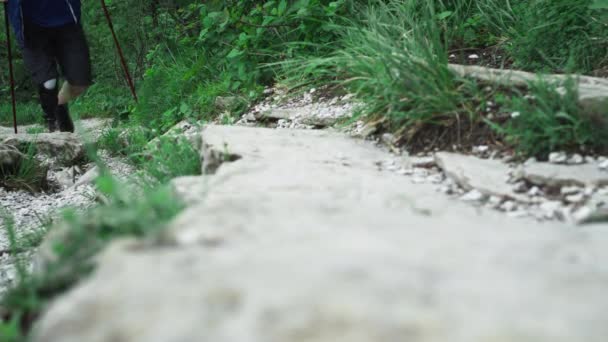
column 549, row 209
column 495, row 201
column 582, row 214
column 518, row 214
column 436, row 178
column 405, row 171
column 474, row 56
column 423, row 162
column 520, row 187
column 418, row 180
column 558, row 157
column 576, row 199
column 473, row 196
column 515, row 115
column 570, row 190
column 535, row 191
column 480, row 149
column 604, row 165
column 388, row 138
column 576, row 159
column 509, row 206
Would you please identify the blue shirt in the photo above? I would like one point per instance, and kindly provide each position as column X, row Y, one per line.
column 51, row 13
column 45, row 13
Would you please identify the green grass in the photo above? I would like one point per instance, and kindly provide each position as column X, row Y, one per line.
column 28, row 175
column 27, row 113
column 394, row 58
column 140, row 206
column 139, row 209
column 396, row 64
column 548, row 118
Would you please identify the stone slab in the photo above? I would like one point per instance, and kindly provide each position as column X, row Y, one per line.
column 66, row 148
column 555, row 175
column 303, row 238
column 487, row 176
column 593, row 91
column 307, row 115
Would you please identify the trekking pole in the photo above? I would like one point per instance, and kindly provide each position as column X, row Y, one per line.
column 119, row 49
column 10, row 65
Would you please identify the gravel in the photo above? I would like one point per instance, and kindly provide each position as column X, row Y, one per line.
column 30, row 211
column 565, row 204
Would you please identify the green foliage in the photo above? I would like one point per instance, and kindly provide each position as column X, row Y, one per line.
column 27, row 113
column 567, row 39
column 396, row 65
column 550, row 119
column 10, row 332
column 29, row 175
column 220, row 50
column 126, row 141
column 124, row 213
column 172, row 157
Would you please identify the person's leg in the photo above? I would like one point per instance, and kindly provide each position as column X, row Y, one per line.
column 70, row 92
column 39, row 57
column 48, row 92
column 74, row 59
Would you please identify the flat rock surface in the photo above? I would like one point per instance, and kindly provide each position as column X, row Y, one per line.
column 565, row 175
column 592, row 91
column 487, row 176
column 67, row 148
column 305, row 239
column 307, row 115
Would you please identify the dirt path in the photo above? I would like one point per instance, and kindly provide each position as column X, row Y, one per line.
column 304, row 235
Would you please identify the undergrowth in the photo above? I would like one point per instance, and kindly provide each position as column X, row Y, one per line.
column 27, row 174
column 549, row 118
column 138, row 207
column 394, row 58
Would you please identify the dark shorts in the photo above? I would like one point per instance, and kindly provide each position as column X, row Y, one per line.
column 48, row 49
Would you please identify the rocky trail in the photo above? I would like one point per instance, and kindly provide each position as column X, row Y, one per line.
column 312, row 235
column 68, row 179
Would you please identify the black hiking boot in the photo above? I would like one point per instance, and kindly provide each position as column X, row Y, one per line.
column 64, row 121
column 48, row 102
column 51, row 124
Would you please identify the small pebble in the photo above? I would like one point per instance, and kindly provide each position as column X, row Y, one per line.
column 570, row 190
column 576, row 159
column 576, row 199
column 535, row 191
column 473, row 196
column 558, row 157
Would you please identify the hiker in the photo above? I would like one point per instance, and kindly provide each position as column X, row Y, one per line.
column 51, row 37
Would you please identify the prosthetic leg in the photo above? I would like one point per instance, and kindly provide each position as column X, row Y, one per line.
column 56, row 115
column 64, row 121
column 48, row 92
